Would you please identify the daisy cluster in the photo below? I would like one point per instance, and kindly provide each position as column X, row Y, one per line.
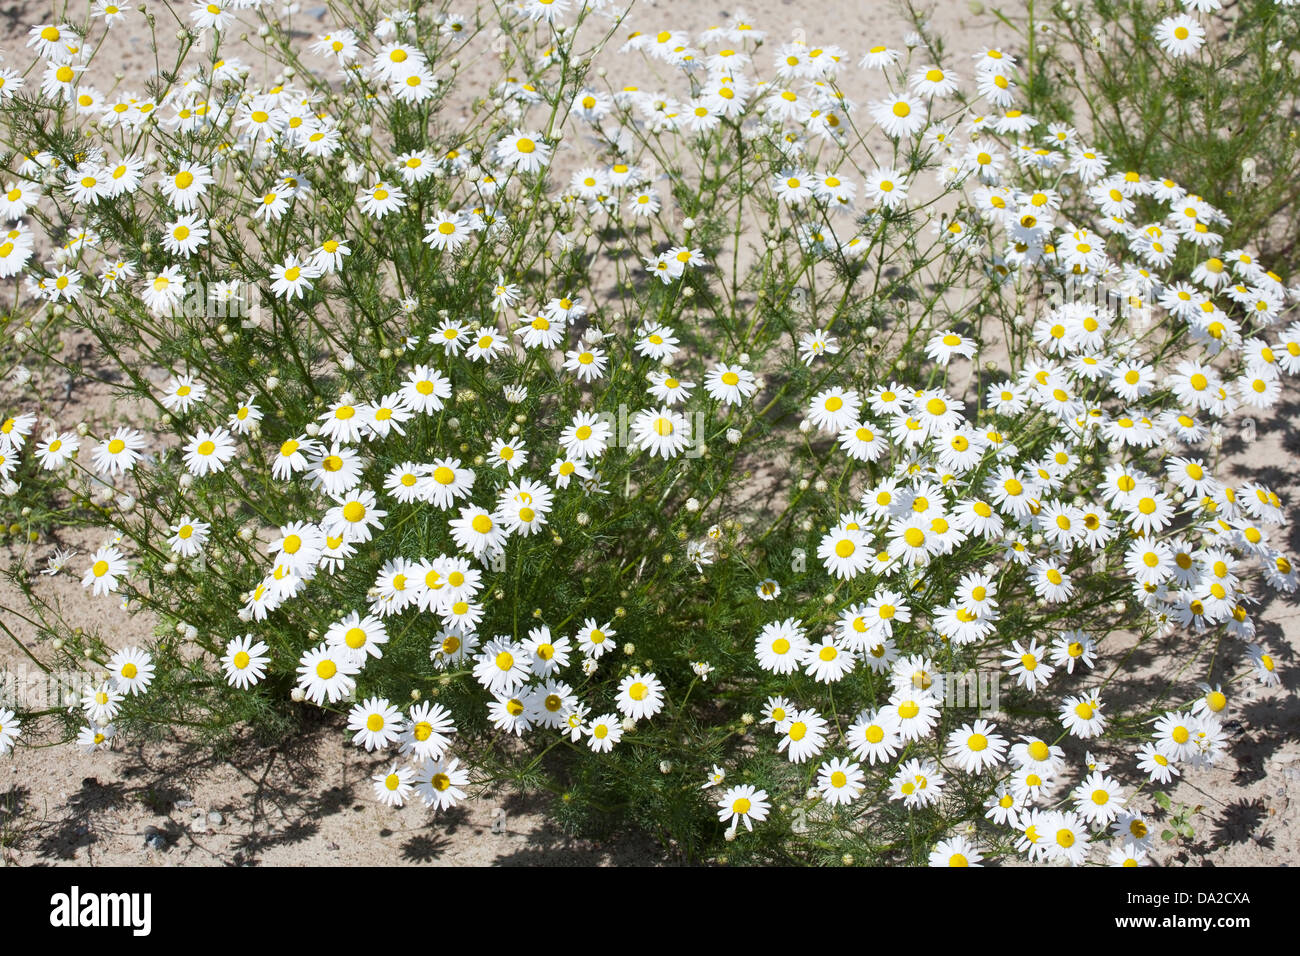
column 405, row 469
column 1008, row 486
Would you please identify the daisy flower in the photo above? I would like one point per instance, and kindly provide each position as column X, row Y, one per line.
column 918, row 783
column 182, row 392
column 427, row 732
column 523, row 151
column 1179, row 35
column 344, row 422
column 840, row 781
column 245, row 661
column 743, row 804
column 943, row 346
column 291, row 279
column 291, row 457
column 439, row 783
column 451, row 648
column 57, row 449
column 477, row 532
column 89, row 739
column 1097, row 799
column 502, row 666
column 899, row 116
column 586, row 436
column 657, row 342
column 393, row 787
column 10, row 729
column 588, row 364
column 327, row 673
column 1157, row 767
column 835, row 409
column 975, row 747
column 447, row 231
column 381, row 199
column 102, row 703
column 827, row 661
column 335, row 469
column 730, row 384
column 188, row 537
column 512, row 454
column 183, row 188
column 547, row 654
column 485, row 344
column 1067, row 837
column 805, row 736
column 604, row 732
column 640, row 696
column 595, row 639
column 1072, row 647
column 781, row 646
column 377, row 723
column 957, row 851
column 886, row 187
column 132, row 670
column 425, row 390
column 1082, row 716
column 1174, row 733
column 208, row 452
column 119, row 453
column 354, row 516
column 445, row 481
column 663, row 432
column 874, row 736
column 244, row 417
column 815, row 344
column 357, row 638
column 845, row 552
column 669, row 389
column 107, row 565
column 915, row 713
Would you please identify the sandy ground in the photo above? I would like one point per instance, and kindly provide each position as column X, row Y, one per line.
column 310, row 803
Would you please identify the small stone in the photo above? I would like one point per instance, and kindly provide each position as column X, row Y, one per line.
column 184, row 804
column 216, row 819
column 154, row 839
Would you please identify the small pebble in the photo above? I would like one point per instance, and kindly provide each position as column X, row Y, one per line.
column 154, row 839
column 216, row 819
